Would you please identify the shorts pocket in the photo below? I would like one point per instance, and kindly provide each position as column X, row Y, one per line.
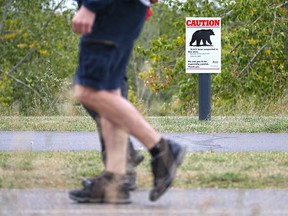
column 96, row 62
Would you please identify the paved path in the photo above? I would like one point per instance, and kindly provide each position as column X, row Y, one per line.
column 202, row 202
column 79, row 141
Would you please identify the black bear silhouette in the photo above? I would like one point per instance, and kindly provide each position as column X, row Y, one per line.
column 203, row 35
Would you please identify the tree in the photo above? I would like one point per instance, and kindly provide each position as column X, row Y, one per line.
column 253, row 56
column 38, row 52
column 155, row 35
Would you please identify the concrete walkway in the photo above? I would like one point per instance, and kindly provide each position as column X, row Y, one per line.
column 202, row 202
column 80, row 141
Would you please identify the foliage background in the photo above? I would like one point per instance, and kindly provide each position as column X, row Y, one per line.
column 39, row 56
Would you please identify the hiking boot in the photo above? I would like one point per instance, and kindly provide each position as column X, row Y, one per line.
column 106, row 188
column 134, row 157
column 131, row 174
column 130, row 180
column 164, row 166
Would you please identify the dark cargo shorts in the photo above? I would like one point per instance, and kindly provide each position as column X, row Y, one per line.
column 104, row 54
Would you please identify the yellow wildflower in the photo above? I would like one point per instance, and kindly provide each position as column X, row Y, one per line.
column 21, row 46
column 25, row 35
column 179, row 41
column 153, row 57
column 252, row 41
column 269, row 52
column 43, row 52
column 9, row 36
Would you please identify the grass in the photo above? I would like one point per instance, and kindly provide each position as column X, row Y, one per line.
column 65, row 170
column 163, row 124
column 204, row 170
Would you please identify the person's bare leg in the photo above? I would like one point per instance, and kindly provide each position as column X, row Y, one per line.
column 120, row 114
column 118, row 111
column 116, row 145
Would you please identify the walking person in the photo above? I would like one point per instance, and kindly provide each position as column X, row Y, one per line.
column 109, row 29
column 134, row 158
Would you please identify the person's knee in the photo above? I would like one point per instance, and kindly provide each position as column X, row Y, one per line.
column 85, row 95
column 81, row 94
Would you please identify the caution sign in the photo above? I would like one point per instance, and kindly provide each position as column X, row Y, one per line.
column 203, row 45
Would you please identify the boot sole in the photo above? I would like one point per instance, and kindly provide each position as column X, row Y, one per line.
column 91, row 200
column 154, row 194
column 86, row 182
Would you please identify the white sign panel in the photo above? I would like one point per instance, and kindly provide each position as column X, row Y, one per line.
column 203, row 45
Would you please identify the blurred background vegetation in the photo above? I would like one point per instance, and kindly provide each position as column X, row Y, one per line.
column 38, row 57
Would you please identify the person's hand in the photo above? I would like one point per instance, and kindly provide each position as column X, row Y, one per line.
column 82, row 21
